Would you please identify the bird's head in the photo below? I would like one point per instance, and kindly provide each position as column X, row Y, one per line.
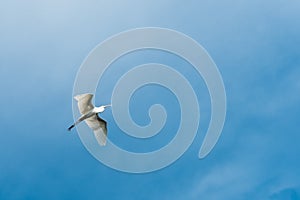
column 102, row 108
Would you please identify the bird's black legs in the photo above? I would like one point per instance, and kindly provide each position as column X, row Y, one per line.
column 69, row 129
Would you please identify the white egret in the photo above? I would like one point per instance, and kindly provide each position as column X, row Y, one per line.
column 89, row 114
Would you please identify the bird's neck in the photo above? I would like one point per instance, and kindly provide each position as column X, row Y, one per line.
column 99, row 109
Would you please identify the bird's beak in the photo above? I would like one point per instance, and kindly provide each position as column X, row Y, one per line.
column 109, row 105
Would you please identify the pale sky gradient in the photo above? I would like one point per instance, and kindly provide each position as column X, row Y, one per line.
column 255, row 44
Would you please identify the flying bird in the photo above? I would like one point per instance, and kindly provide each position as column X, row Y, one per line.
column 89, row 114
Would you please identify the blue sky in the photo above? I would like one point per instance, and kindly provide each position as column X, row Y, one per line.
column 255, row 44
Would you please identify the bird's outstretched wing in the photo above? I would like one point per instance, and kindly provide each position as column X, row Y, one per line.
column 84, row 103
column 99, row 127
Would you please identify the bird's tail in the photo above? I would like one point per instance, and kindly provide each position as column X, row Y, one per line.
column 83, row 117
column 109, row 105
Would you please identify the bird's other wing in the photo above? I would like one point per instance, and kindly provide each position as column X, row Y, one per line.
column 84, row 103
column 99, row 127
